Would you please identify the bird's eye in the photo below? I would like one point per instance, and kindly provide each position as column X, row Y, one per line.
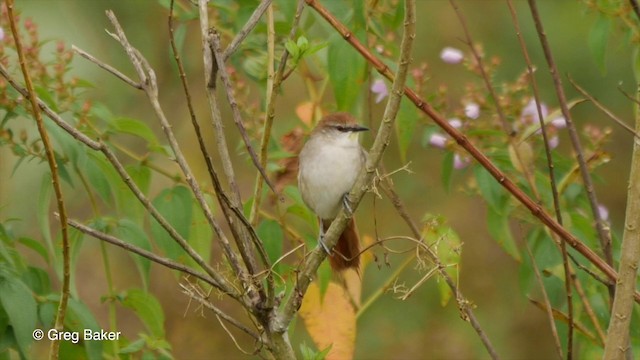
column 341, row 128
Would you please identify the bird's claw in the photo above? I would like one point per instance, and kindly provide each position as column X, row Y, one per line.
column 347, row 205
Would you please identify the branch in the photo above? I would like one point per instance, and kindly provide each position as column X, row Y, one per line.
column 548, row 307
column 233, row 202
column 272, row 86
column 144, row 253
column 552, row 184
column 617, row 344
column 605, row 240
column 246, row 29
column 214, row 42
column 194, row 294
column 55, row 180
column 365, row 177
column 602, row 108
column 106, row 67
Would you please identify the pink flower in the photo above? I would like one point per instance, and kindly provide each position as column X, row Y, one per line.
column 380, row 89
column 559, row 122
column 472, row 110
column 459, row 162
column 554, row 142
column 530, row 112
column 1, row 34
column 604, row 212
column 455, row 122
column 451, row 55
column 438, row 140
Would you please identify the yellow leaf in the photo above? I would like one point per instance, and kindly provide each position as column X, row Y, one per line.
column 330, row 321
column 353, row 282
column 305, row 112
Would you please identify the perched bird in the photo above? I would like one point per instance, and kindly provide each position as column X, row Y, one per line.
column 329, row 165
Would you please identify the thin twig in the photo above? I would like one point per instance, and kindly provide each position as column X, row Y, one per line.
column 214, row 42
column 492, row 92
column 543, row 290
column 106, row 67
column 144, row 253
column 189, row 291
column 588, row 308
column 234, row 201
column 266, row 129
column 605, row 239
column 222, row 197
column 552, row 179
column 273, row 83
column 602, row 108
column 55, row 181
column 246, row 29
column 464, row 304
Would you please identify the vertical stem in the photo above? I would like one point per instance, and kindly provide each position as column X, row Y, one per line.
column 55, row 180
column 568, row 276
column 605, row 240
column 266, row 131
column 617, row 344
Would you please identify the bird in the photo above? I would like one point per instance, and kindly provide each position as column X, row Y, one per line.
column 330, row 162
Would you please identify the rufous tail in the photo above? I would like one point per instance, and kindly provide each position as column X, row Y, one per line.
column 346, row 253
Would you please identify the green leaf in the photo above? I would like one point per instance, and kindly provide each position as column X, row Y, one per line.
column 35, row 246
column 21, row 308
column 175, row 205
column 346, row 70
column 491, row 190
column 405, row 127
column 148, row 310
column 37, row 279
column 97, row 178
column 270, row 233
column 448, row 246
column 447, row 170
column 133, row 347
column 134, row 127
column 45, row 95
column 303, row 213
column 42, row 212
column 324, row 277
column 62, row 169
column 200, row 234
column 130, row 232
column 292, row 48
column 498, row 226
column 79, row 318
column 141, row 176
column 597, row 40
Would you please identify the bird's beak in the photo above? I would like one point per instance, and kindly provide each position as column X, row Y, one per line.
column 359, row 128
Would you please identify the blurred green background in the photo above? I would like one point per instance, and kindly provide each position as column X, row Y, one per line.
column 418, row 327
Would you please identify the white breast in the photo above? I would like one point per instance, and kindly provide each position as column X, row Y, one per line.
column 329, row 167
